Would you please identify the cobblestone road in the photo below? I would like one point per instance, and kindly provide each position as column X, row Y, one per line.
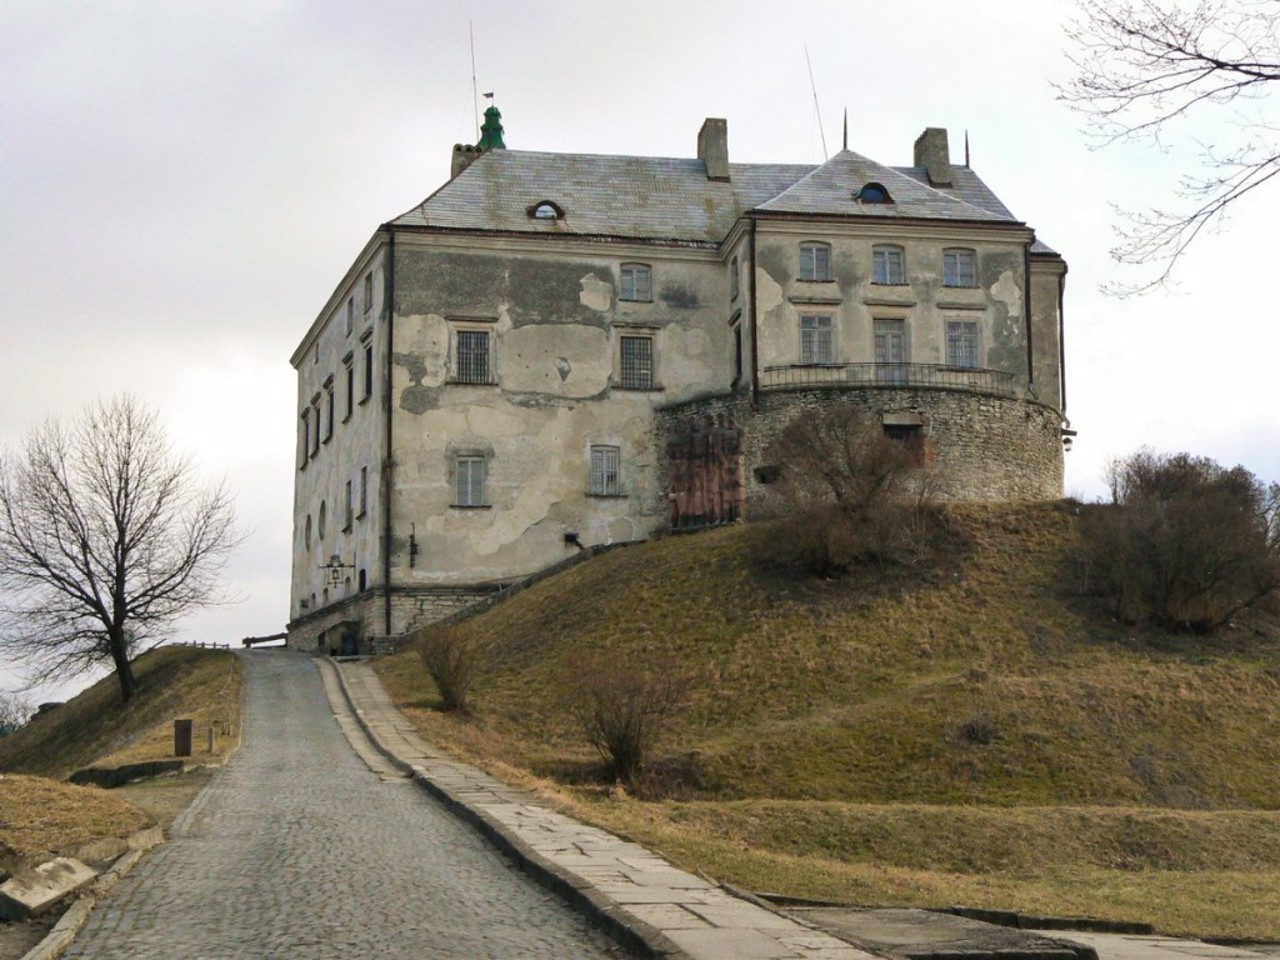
column 296, row 849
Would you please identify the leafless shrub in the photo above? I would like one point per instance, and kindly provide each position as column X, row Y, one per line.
column 848, row 493
column 622, row 704
column 452, row 658
column 1186, row 542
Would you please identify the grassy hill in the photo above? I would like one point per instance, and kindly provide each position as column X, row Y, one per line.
column 979, row 731
column 38, row 814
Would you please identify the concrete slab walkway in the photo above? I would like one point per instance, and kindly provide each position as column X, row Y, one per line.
column 645, row 901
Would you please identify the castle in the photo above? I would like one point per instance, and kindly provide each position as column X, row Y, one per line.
column 554, row 351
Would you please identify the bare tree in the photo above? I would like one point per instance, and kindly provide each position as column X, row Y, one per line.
column 1146, row 64
column 15, row 711
column 106, row 538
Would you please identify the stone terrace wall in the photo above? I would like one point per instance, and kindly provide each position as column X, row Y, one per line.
column 984, row 447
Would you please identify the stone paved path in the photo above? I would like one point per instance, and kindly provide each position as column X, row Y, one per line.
column 298, row 849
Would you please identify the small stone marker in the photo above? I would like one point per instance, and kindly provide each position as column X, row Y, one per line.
column 182, row 730
column 31, row 892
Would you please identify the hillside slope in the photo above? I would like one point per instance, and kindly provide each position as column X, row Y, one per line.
column 991, row 678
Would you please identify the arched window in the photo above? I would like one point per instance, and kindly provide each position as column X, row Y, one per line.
column 873, row 193
column 546, row 210
column 815, row 261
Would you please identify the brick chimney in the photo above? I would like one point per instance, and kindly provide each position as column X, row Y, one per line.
column 713, row 148
column 933, row 154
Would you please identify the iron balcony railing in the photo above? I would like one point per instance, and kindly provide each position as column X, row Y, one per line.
column 889, row 375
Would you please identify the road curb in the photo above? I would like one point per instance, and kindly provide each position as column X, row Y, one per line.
column 633, row 934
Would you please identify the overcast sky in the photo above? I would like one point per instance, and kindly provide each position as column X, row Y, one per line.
column 183, row 183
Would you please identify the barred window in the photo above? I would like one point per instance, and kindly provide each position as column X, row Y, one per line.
column 887, row 265
column 473, row 357
column 815, row 261
column 637, row 282
column 959, row 268
column 962, row 343
column 605, row 466
column 469, row 477
column 637, row 363
column 815, row 340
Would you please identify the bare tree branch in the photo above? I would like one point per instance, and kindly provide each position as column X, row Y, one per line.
column 106, row 538
column 1146, row 66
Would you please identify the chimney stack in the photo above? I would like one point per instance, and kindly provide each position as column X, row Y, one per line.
column 933, row 154
column 713, row 148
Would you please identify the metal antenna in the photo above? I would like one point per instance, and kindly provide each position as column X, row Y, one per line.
column 817, row 111
column 475, row 97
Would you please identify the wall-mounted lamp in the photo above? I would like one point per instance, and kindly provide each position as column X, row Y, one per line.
column 334, row 569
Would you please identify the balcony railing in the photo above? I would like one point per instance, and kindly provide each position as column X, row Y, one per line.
column 887, row 375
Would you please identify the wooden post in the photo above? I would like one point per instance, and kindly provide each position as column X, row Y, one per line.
column 182, row 738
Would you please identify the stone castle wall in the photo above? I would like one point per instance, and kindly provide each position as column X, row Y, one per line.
column 979, row 446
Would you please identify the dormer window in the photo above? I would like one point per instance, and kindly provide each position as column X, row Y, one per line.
column 546, row 210
column 873, row 193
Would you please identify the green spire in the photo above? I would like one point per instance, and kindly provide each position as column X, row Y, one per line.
column 491, row 132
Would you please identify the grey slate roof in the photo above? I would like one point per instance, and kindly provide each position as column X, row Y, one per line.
column 658, row 198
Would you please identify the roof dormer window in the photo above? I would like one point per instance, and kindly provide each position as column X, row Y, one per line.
column 546, row 210
column 873, row 193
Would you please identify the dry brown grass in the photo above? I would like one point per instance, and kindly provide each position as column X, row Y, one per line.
column 990, row 682
column 39, row 815
column 96, row 728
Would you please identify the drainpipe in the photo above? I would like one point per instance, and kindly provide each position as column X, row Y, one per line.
column 387, row 462
column 751, row 292
column 1026, row 312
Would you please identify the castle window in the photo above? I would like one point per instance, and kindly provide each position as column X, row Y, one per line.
column 329, row 408
column 637, row 283
column 349, row 373
column 734, row 279
column 887, row 265
column 306, row 536
column 873, row 193
column 816, row 344
column 320, row 523
column 605, row 472
column 962, row 343
column 364, row 491
column 469, row 481
column 368, row 291
column 959, row 268
column 306, row 437
column 351, row 314
column 890, row 351
column 315, row 421
column 815, row 261
column 347, row 512
column 636, row 370
column 546, row 210
column 472, row 356
column 368, row 370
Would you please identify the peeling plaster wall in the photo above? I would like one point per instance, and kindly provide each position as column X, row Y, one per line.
column 1047, row 277
column 981, row 447
column 554, row 324
column 353, row 442
column 922, row 303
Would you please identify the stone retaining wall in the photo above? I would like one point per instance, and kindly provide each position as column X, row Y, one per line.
column 979, row 446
